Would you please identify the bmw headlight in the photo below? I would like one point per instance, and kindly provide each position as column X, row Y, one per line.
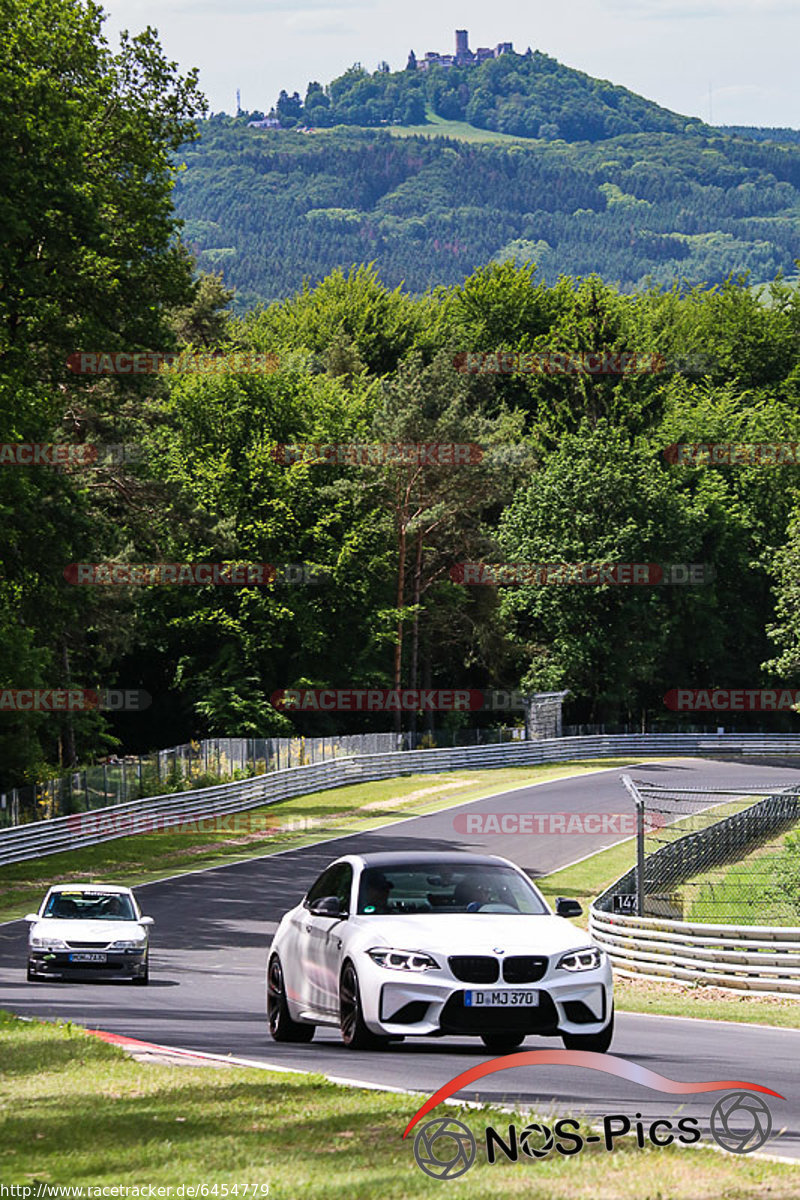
column 581, row 960
column 123, row 945
column 47, row 943
column 403, row 960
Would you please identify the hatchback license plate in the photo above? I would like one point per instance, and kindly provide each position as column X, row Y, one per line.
column 500, row 999
column 87, row 957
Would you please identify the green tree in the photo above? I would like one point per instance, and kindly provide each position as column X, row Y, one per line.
column 89, row 260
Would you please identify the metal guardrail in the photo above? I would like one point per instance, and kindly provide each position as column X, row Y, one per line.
column 752, row 958
column 23, row 842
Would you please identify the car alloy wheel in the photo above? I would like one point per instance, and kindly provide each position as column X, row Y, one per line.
column 142, row 980
column 355, row 1034
column 281, row 1026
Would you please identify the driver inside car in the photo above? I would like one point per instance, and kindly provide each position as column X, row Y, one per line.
column 470, row 895
column 376, row 890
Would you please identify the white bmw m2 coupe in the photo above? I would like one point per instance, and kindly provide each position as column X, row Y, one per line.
column 387, row 946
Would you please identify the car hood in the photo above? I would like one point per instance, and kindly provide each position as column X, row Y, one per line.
column 83, row 930
column 473, row 933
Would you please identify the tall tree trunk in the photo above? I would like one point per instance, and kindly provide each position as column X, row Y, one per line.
column 401, row 590
column 427, row 675
column 415, row 630
column 69, row 731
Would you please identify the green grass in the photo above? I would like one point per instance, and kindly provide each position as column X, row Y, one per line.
column 353, row 809
column 77, row 1112
column 747, row 892
column 460, row 130
column 709, row 1003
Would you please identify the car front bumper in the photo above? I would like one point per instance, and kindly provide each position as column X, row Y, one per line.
column 394, row 1003
column 58, row 964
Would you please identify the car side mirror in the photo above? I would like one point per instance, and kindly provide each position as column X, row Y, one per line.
column 327, row 906
column 568, row 908
column 146, row 921
column 31, row 917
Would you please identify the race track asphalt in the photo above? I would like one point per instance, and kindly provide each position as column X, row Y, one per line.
column 213, row 929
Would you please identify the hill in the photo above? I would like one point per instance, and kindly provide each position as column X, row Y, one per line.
column 525, row 95
column 272, row 208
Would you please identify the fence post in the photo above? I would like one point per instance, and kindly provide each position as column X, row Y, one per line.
column 638, row 800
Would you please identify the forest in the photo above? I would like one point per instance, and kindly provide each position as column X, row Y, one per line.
column 571, row 465
column 270, row 209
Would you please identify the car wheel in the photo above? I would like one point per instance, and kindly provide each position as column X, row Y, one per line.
column 502, row 1043
column 142, row 980
column 32, row 976
column 355, row 1034
column 599, row 1042
column 281, row 1026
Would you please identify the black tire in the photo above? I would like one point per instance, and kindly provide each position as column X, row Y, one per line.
column 502, row 1043
column 142, row 980
column 281, row 1026
column 355, row 1034
column 598, row 1042
column 32, row 977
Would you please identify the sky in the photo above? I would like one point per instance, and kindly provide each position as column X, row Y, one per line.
column 733, row 62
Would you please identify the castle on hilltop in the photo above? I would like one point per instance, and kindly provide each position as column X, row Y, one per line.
column 463, row 57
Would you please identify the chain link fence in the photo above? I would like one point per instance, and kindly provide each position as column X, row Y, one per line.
column 213, row 760
column 713, row 856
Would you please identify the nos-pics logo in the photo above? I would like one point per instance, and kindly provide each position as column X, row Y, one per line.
column 446, row 1148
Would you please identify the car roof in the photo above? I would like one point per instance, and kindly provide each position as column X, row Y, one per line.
column 410, row 858
column 90, row 887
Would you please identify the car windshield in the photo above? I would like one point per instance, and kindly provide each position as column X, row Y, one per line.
column 95, row 906
column 446, row 888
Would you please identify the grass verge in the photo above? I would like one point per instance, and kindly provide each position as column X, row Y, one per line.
column 294, row 823
column 77, row 1112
